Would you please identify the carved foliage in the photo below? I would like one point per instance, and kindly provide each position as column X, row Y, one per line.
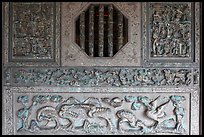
column 170, row 30
column 32, row 30
column 103, row 77
column 101, row 115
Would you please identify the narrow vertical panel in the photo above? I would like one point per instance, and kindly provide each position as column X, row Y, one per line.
column 91, row 31
column 82, row 30
column 120, row 30
column 101, row 30
column 110, row 30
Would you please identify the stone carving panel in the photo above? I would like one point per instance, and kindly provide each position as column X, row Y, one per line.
column 93, row 115
column 53, row 111
column 32, row 28
column 170, row 30
column 169, row 34
column 100, row 77
column 33, row 33
column 48, row 89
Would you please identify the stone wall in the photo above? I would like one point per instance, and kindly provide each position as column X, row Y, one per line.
column 150, row 86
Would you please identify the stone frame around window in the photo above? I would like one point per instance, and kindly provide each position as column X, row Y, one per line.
column 128, row 55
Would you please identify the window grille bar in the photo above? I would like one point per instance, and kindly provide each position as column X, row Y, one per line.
column 120, row 30
column 101, row 30
column 82, row 30
column 91, row 31
column 110, row 31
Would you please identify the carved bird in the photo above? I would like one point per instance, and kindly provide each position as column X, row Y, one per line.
column 155, row 112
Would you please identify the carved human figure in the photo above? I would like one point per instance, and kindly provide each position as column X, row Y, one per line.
column 178, row 15
column 173, row 26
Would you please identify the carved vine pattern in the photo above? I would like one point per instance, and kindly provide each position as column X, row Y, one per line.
column 103, row 77
column 170, row 33
column 108, row 114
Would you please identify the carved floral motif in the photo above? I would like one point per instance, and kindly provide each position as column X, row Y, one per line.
column 103, row 77
column 101, row 115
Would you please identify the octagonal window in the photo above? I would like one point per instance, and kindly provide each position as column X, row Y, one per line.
column 101, row 30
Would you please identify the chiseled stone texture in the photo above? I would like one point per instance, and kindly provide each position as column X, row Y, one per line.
column 62, row 110
column 101, row 77
column 172, row 41
column 31, row 34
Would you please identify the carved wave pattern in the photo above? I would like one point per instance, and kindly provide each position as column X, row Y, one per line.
column 104, row 115
column 102, row 77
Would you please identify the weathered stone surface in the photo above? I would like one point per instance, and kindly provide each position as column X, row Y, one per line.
column 32, row 34
column 65, row 111
column 170, row 34
column 101, row 77
column 63, row 91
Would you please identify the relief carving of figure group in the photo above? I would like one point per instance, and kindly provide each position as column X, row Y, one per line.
column 170, row 30
column 33, row 30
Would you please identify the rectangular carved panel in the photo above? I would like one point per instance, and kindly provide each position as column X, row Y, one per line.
column 170, row 30
column 100, row 77
column 32, row 30
column 44, row 110
column 171, row 33
column 33, row 34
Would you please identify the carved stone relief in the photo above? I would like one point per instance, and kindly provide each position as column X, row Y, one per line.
column 150, row 87
column 170, row 30
column 170, row 34
column 32, row 28
column 53, row 111
column 32, row 36
column 100, row 77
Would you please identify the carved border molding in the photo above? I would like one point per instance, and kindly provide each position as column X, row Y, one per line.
column 102, row 77
column 172, row 61
column 12, row 94
column 8, row 38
